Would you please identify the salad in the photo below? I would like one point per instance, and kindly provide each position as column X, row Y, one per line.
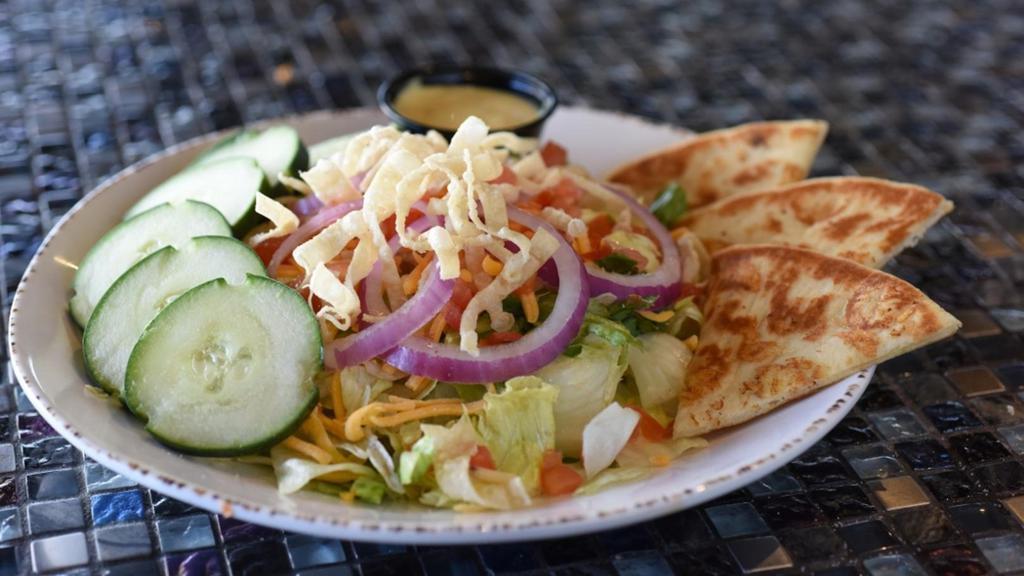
column 474, row 324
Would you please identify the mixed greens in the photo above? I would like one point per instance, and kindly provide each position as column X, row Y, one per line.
column 472, row 324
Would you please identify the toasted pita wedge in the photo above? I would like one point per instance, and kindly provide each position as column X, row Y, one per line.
column 866, row 220
column 782, row 322
column 717, row 164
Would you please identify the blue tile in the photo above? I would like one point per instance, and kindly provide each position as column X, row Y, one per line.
column 978, row 517
column 872, row 461
column 122, row 541
column 185, row 533
column 51, row 485
column 1014, row 436
column 1004, row 553
column 59, row 552
column 869, row 536
column 7, row 462
column 732, row 520
column 894, row 565
column 55, row 515
column 10, row 524
column 897, row 424
column 99, row 477
column 328, row 571
column 9, row 563
column 644, row 564
column 48, row 452
column 116, row 507
column 307, row 551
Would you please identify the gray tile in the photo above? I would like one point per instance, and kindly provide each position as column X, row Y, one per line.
column 307, row 551
column 732, row 520
column 775, row 483
column 1014, row 436
column 55, row 515
column 10, row 524
column 760, row 554
column 1005, row 553
column 7, row 461
column 894, row 565
column 98, row 477
column 185, row 533
column 897, row 424
column 872, row 461
column 122, row 541
column 58, row 552
column 53, row 484
column 645, row 564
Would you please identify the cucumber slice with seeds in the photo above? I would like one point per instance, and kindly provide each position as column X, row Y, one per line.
column 329, row 148
column 277, row 149
column 133, row 240
column 228, row 185
column 226, row 369
column 146, row 288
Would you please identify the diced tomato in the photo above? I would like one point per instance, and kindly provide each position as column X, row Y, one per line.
column 507, row 176
column 557, row 479
column 265, row 250
column 482, row 458
column 565, row 196
column 648, row 427
column 498, row 338
column 599, row 227
column 553, row 154
column 388, row 226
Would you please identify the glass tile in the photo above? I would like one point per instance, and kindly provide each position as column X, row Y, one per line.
column 632, row 539
column 1012, row 375
column 975, row 381
column 925, row 454
column 643, row 564
column 922, row 525
column 116, row 507
column 47, row 452
column 926, row 389
column 760, row 554
column 509, row 558
column 10, row 562
column 899, row 492
column 55, row 515
column 959, row 559
column 1014, row 436
column 778, row 482
column 878, row 397
column 306, row 551
column 851, row 430
column 59, row 552
column 978, row 517
column 1004, row 553
column 1016, row 507
column 199, row 563
column 818, row 466
column 1001, row 348
column 122, row 541
column 710, row 559
column 813, row 544
column 731, row 520
column 8, row 490
column 185, row 533
column 455, row 561
column 167, row 506
column 872, row 461
column 841, row 502
column 1011, row 320
column 398, row 565
column 259, row 557
column 897, row 424
column 685, row 528
column 134, row 568
column 1002, row 478
column 865, row 537
column 894, row 565
column 951, row 416
column 10, row 524
column 233, row 530
column 568, row 550
column 953, row 485
column 32, row 427
column 7, row 463
column 791, row 511
column 99, row 477
column 976, row 323
column 997, row 409
column 328, row 571
column 980, row 447
column 50, row 485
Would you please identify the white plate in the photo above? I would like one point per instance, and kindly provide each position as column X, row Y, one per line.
column 45, row 349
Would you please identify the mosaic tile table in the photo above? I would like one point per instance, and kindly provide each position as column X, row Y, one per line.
column 924, row 477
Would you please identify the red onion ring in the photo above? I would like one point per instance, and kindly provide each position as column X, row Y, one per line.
column 663, row 283
column 540, row 346
column 307, row 206
column 323, row 219
column 373, row 293
column 377, row 338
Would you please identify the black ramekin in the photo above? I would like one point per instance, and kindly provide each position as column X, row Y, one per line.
column 521, row 83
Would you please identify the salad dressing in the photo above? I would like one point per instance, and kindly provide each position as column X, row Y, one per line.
column 446, row 106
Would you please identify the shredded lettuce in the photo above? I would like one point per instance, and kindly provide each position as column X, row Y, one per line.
column 612, row 477
column 359, row 387
column 586, row 384
column 687, row 319
column 643, row 453
column 369, row 490
column 294, row 471
column 658, row 363
column 605, row 435
column 518, row 426
column 414, row 463
column 380, row 458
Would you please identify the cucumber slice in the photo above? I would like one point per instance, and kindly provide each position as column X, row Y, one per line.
column 229, row 185
column 134, row 239
column 226, row 369
column 277, row 149
column 329, row 148
column 139, row 295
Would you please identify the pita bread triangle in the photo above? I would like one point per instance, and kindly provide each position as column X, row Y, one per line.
column 781, row 322
column 721, row 163
column 866, row 220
